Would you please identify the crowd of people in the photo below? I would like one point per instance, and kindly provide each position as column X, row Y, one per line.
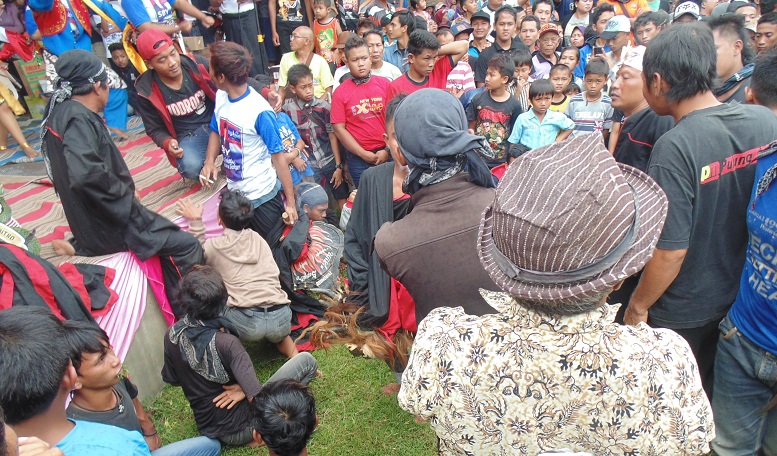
column 557, row 218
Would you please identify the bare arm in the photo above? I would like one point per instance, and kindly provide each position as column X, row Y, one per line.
column 147, row 427
column 659, row 273
column 209, row 171
column 288, row 189
column 272, row 7
column 187, row 8
column 615, row 131
column 168, row 29
column 457, row 50
column 563, row 134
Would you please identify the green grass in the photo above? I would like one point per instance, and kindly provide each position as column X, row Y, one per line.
column 355, row 417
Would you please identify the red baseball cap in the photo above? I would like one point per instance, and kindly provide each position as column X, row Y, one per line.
column 152, row 42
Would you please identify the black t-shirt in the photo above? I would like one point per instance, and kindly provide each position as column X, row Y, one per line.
column 188, row 106
column 706, row 166
column 123, row 415
column 739, row 94
column 481, row 66
column 494, row 120
column 212, row 421
column 639, row 132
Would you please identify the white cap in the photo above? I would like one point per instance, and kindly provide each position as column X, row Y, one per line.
column 686, row 8
column 615, row 26
column 633, row 57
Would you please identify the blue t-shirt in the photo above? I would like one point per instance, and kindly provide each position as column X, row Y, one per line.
column 289, row 137
column 96, row 439
column 141, row 11
column 755, row 310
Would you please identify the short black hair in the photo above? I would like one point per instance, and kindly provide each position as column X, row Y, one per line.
column 522, row 57
column 572, row 49
column 392, row 106
column 505, row 9
column 84, row 337
column 116, row 47
column 768, row 18
column 573, row 87
column 366, row 22
column 372, row 32
column 444, row 31
column 733, row 25
column 547, row 2
column 539, row 88
column 297, row 72
column 421, row 40
column 353, row 43
column 597, row 66
column 202, row 293
column 235, row 209
column 327, row 3
column 685, row 57
column 504, row 65
column 597, row 12
column 531, row 18
column 33, row 361
column 559, row 67
column 285, row 416
column 763, row 83
column 647, row 18
column 767, row 6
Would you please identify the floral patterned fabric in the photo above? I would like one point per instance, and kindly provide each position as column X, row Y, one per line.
column 521, row 382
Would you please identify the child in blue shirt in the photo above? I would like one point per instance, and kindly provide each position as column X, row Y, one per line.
column 539, row 126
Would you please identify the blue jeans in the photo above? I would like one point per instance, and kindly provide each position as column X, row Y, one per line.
column 356, row 166
column 196, row 446
column 253, row 323
column 745, row 381
column 195, row 146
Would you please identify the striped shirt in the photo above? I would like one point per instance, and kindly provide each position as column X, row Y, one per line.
column 590, row 116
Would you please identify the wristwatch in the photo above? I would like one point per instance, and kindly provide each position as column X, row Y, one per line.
column 339, row 166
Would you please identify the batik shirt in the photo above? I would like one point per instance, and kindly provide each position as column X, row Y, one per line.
column 521, row 382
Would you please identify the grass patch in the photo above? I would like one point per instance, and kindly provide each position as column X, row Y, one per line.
column 355, row 417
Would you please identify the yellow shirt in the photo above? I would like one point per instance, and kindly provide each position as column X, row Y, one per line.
column 561, row 107
column 322, row 76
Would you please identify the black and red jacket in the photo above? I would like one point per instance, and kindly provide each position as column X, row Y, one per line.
column 153, row 111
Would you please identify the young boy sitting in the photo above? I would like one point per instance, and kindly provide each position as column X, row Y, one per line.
column 104, row 395
column 311, row 115
column 292, row 142
column 257, row 306
column 539, row 126
column 492, row 113
column 560, row 77
column 285, row 418
column 592, row 110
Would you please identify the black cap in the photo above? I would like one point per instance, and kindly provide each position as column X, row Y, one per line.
column 480, row 15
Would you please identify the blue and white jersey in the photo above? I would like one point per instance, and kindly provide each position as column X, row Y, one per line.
column 249, row 134
column 142, row 11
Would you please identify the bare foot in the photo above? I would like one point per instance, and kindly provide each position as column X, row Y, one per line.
column 121, row 134
column 391, row 389
column 29, row 151
column 319, row 374
column 63, row 248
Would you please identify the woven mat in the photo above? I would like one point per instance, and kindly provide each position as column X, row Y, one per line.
column 36, row 206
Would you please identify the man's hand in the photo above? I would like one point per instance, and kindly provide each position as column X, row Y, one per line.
column 186, row 27
column 232, row 395
column 174, row 149
column 33, row 446
column 299, row 164
column 633, row 316
column 337, row 178
column 208, row 175
column 154, row 442
column 276, row 40
column 381, row 156
column 291, row 212
column 275, row 100
column 208, row 21
column 189, row 211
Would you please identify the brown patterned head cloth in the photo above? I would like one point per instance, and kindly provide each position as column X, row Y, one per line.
column 568, row 222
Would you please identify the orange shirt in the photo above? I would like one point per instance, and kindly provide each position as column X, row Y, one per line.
column 629, row 9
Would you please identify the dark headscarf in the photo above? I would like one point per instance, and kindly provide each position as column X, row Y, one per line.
column 197, row 341
column 432, row 134
column 75, row 69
